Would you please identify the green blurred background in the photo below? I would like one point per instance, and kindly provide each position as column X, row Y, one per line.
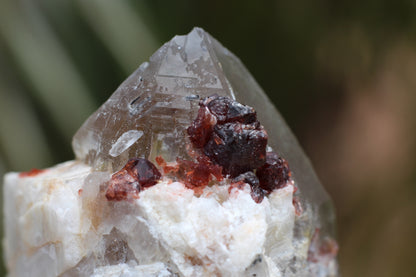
column 342, row 73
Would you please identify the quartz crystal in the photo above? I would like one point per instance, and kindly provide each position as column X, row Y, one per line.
column 172, row 178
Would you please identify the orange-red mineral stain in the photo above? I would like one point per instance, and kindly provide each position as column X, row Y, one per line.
column 195, row 175
column 32, row 173
column 135, row 176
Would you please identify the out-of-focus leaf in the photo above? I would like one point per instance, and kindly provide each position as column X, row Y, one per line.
column 44, row 63
column 2, row 167
column 121, row 29
column 21, row 138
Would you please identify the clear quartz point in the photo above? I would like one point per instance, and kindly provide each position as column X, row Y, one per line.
column 148, row 114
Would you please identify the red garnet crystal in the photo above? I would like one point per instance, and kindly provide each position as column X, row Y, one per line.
column 229, row 134
column 143, row 171
column 274, row 173
column 202, row 127
column 137, row 174
column 237, row 147
column 228, row 110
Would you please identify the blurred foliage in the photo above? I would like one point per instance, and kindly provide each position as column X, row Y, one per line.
column 341, row 73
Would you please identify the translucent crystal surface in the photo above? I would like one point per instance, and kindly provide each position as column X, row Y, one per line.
column 148, row 115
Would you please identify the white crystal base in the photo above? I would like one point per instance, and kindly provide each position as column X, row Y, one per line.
column 59, row 223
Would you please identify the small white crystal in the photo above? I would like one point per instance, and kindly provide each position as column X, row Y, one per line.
column 124, row 270
column 123, row 143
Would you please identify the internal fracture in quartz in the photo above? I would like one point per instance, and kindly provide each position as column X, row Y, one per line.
column 175, row 175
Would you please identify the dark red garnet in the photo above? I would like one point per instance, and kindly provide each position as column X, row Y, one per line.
column 229, row 134
column 217, row 110
column 237, row 147
column 201, row 128
column 250, row 178
column 143, row 171
column 136, row 175
column 228, row 110
column 274, row 173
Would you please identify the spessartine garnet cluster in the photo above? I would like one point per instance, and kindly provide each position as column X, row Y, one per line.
column 228, row 141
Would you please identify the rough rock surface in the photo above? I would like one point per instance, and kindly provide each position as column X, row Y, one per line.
column 62, row 224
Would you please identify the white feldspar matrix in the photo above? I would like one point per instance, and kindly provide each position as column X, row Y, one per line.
column 172, row 178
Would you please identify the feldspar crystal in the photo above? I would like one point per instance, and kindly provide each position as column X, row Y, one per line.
column 172, row 178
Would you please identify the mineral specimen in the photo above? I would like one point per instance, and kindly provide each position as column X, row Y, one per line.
column 175, row 175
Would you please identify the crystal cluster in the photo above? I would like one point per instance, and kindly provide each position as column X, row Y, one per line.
column 229, row 134
column 175, row 175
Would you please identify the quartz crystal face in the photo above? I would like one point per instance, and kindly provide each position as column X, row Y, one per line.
column 187, row 170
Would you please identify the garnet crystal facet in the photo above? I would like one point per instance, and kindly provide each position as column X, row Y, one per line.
column 136, row 175
column 143, row 171
column 229, row 134
column 274, row 173
column 228, row 110
column 237, row 147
